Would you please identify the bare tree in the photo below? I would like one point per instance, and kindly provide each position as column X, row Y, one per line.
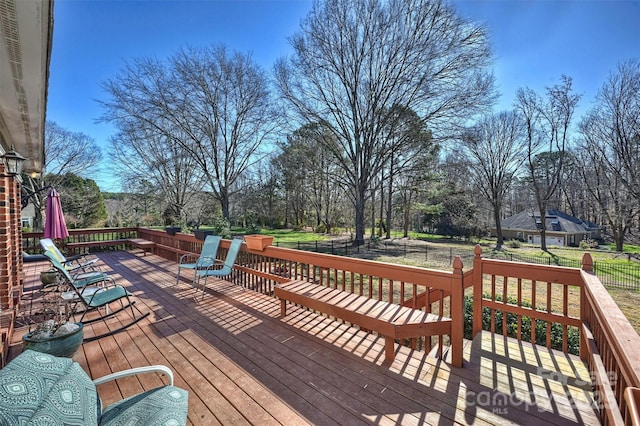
column 618, row 206
column 409, row 166
column 611, row 149
column 354, row 59
column 143, row 154
column 214, row 105
column 495, row 148
column 547, row 127
column 66, row 153
column 311, row 179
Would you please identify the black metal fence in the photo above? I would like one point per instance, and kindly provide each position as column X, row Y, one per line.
column 621, row 275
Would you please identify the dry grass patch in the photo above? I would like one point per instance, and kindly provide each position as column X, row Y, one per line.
column 628, row 301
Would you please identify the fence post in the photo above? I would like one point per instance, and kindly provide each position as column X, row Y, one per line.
column 426, row 252
column 477, row 290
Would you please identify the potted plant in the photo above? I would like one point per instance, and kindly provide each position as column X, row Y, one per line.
column 171, row 230
column 58, row 338
column 258, row 242
column 201, row 234
column 48, row 277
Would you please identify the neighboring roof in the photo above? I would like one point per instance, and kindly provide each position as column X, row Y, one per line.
column 26, row 29
column 555, row 221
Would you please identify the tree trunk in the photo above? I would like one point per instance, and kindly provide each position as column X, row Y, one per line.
column 224, row 203
column 389, row 200
column 373, row 211
column 359, row 207
column 543, row 228
column 406, row 220
column 498, row 221
column 382, row 209
column 618, row 237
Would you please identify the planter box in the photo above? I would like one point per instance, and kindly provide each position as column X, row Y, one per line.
column 48, row 277
column 171, row 230
column 258, row 242
column 65, row 345
column 202, row 234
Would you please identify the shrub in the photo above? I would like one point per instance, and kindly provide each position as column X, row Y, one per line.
column 221, row 226
column 253, row 228
column 573, row 336
column 514, row 244
column 588, row 243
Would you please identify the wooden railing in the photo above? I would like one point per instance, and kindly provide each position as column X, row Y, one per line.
column 570, row 298
column 82, row 240
column 575, row 300
column 262, row 270
column 611, row 347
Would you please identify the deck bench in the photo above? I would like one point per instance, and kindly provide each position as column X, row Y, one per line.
column 77, row 248
column 390, row 320
column 143, row 244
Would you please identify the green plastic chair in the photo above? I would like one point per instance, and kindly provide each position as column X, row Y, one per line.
column 206, row 259
column 227, row 266
column 79, row 280
column 73, row 263
column 93, row 298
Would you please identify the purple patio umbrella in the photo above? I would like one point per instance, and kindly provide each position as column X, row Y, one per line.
column 54, row 225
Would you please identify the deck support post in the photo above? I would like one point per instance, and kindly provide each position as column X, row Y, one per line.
column 389, row 350
column 283, row 308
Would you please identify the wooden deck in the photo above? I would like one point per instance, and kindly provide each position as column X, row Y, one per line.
column 242, row 364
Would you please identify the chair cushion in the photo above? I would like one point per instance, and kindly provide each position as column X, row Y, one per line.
column 38, row 388
column 101, row 298
column 161, row 406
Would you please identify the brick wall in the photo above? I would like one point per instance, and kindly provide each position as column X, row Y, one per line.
column 11, row 275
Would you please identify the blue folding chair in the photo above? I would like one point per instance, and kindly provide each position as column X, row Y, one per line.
column 226, row 268
column 206, row 260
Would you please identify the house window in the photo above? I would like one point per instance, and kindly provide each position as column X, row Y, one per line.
column 538, row 223
column 555, row 225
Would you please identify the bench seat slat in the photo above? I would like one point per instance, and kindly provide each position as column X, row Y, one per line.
column 391, row 320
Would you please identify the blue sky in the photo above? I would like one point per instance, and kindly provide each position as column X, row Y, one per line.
column 535, row 42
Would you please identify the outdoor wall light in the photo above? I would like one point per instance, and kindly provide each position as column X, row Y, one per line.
column 13, row 162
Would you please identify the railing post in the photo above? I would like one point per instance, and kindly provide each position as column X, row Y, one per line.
column 457, row 313
column 587, row 266
column 477, row 290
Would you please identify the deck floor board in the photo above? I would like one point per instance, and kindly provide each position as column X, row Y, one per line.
column 243, row 364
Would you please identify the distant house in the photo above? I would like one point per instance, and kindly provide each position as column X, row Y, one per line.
column 561, row 229
column 27, row 215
